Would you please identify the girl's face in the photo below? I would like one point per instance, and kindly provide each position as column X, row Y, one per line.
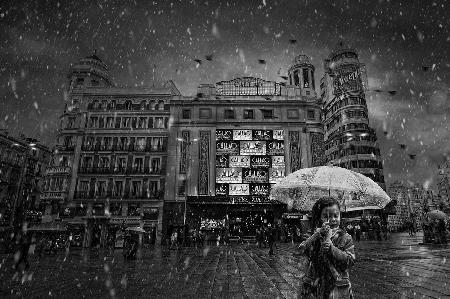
column 332, row 215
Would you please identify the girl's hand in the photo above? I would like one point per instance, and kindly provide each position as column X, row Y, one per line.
column 326, row 246
column 325, row 230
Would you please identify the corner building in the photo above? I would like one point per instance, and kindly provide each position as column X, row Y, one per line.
column 349, row 140
column 231, row 142
column 110, row 166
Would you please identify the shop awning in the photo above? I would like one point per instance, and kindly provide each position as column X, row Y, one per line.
column 50, row 226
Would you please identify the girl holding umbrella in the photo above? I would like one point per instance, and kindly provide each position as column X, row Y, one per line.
column 330, row 252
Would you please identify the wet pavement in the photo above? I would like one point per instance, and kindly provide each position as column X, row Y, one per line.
column 398, row 268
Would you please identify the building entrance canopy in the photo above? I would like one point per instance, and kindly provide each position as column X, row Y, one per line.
column 232, row 200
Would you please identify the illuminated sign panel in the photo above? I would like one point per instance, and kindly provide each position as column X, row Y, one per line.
column 275, row 147
column 239, row 161
column 275, row 174
column 242, row 134
column 251, row 175
column 262, row 135
column 224, row 134
column 221, row 189
column 248, row 162
column 228, row 175
column 239, row 189
column 260, row 189
column 222, row 161
column 278, row 134
column 277, row 161
column 260, row 161
column 248, row 86
column 253, row 148
column 227, row 147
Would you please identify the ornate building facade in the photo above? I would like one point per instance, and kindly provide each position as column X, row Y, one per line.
column 110, row 166
column 349, row 140
column 23, row 162
column 443, row 182
column 234, row 140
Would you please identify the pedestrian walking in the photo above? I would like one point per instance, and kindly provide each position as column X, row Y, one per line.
column 330, row 252
column 358, row 232
column 22, row 252
column 270, row 238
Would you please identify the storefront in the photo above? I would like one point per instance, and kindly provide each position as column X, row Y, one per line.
column 231, row 216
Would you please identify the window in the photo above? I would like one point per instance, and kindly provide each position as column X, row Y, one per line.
column 292, row 113
column 150, row 123
column 305, row 78
column 140, row 144
column 80, row 81
column 125, row 122
column 141, row 122
column 136, row 189
column 248, row 114
column 139, row 165
column 153, row 189
column 94, row 122
column 182, row 188
column 159, row 122
column 205, row 113
column 311, row 114
column 71, row 123
column 229, row 114
column 95, row 82
column 101, row 123
column 267, row 113
column 109, row 122
column 155, row 165
column 118, row 188
column 186, row 114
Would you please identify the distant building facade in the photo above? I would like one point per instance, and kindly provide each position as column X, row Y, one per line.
column 349, row 140
column 23, row 163
column 232, row 142
column 443, row 182
column 110, row 166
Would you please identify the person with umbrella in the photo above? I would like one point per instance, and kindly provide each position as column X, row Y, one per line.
column 330, row 252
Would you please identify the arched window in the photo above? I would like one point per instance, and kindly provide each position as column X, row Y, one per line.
column 128, row 105
column 104, row 105
column 94, row 104
column 161, row 105
column 152, row 105
column 143, row 105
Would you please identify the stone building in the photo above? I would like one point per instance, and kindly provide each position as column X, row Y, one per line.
column 443, row 182
column 110, row 165
column 232, row 141
column 349, row 140
column 23, row 162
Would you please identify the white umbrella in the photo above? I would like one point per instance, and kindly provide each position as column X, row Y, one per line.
column 136, row 229
column 354, row 191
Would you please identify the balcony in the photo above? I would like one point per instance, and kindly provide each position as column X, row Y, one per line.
column 58, row 170
column 53, row 195
column 65, row 148
column 124, row 148
column 125, row 219
column 158, row 195
column 120, row 170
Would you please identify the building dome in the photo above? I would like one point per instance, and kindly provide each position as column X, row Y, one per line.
column 90, row 71
column 302, row 59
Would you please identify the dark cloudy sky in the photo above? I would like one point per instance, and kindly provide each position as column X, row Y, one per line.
column 40, row 39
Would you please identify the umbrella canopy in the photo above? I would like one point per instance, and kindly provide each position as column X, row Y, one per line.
column 354, row 191
column 436, row 214
column 136, row 229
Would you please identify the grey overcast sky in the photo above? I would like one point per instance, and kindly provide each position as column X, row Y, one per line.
column 403, row 43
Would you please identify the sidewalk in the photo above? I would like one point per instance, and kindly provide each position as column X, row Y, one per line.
column 399, row 268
